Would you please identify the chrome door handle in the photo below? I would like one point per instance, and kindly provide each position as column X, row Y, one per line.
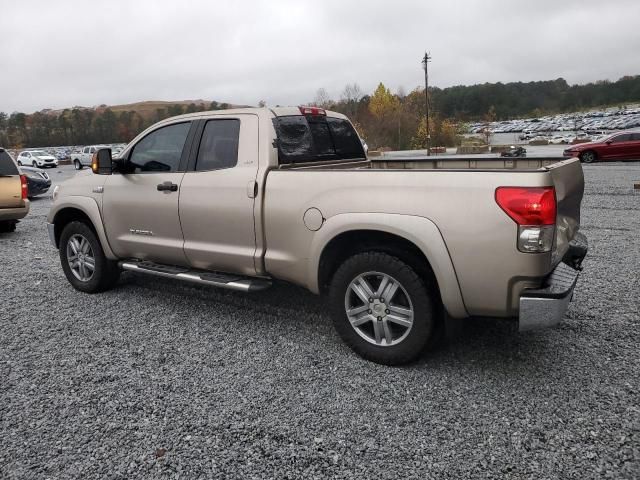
column 167, row 187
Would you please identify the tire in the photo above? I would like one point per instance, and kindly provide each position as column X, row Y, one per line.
column 34, row 164
column 77, row 164
column 105, row 272
column 19, row 163
column 378, row 336
column 588, row 157
column 8, row 226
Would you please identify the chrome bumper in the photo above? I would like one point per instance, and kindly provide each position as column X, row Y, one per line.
column 545, row 307
column 51, row 228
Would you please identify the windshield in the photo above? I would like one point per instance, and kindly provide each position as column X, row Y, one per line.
column 39, row 153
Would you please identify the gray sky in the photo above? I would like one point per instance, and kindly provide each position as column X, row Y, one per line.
column 62, row 53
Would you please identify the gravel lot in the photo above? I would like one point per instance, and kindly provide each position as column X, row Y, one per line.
column 157, row 379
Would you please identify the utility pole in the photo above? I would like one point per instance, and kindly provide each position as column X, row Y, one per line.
column 425, row 63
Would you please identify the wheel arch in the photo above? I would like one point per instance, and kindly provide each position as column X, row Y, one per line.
column 415, row 240
column 83, row 209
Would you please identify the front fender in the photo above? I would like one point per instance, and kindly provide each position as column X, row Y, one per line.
column 89, row 207
column 421, row 231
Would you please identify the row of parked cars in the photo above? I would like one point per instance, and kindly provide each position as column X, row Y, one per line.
column 51, row 157
column 608, row 119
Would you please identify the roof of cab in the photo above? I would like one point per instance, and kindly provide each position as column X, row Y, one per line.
column 276, row 111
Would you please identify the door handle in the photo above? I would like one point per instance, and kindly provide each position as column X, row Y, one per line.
column 167, row 187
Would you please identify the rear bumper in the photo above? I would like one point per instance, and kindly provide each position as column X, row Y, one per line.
column 14, row 213
column 545, row 307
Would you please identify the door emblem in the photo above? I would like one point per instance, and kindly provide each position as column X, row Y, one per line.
column 135, row 231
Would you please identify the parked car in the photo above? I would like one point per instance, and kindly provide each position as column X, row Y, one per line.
column 557, row 140
column 38, row 181
column 14, row 204
column 83, row 158
column 37, row 158
column 239, row 198
column 617, row 146
column 515, row 151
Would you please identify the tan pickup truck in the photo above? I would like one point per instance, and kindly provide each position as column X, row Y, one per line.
column 14, row 204
column 238, row 198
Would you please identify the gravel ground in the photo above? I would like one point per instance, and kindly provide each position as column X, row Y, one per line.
column 157, row 379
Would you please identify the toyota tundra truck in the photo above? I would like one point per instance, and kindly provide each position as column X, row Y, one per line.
column 240, row 198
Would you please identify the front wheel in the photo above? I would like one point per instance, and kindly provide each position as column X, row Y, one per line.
column 19, row 163
column 34, row 164
column 588, row 157
column 83, row 260
column 77, row 164
column 382, row 308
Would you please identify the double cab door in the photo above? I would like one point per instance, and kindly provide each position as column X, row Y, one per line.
column 184, row 197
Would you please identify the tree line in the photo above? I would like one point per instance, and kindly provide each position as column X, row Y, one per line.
column 384, row 118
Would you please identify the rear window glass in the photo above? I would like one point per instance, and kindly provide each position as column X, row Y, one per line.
column 316, row 138
column 7, row 165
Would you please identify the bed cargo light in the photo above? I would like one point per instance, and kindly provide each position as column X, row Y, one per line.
column 534, row 210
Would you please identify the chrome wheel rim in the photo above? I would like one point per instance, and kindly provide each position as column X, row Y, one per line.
column 80, row 257
column 379, row 309
column 588, row 157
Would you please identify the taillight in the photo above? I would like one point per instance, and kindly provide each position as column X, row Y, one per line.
column 534, row 210
column 23, row 186
column 312, row 111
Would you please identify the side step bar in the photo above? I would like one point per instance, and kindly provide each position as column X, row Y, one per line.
column 202, row 277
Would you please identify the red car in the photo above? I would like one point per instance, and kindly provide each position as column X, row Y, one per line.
column 617, row 146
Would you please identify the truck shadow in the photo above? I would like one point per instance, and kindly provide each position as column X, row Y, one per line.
column 469, row 344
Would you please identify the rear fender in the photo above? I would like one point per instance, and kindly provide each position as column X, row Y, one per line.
column 421, row 231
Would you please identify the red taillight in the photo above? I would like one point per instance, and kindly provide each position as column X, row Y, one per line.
column 528, row 205
column 312, row 111
column 24, row 188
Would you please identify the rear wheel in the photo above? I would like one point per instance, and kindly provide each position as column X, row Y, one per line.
column 77, row 164
column 83, row 260
column 382, row 308
column 8, row 226
column 588, row 157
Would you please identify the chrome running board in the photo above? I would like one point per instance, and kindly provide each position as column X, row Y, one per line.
column 202, row 277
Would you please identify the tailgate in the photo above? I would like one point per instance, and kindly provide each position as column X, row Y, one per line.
column 568, row 181
column 10, row 192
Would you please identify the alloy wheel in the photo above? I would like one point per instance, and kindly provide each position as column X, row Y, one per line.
column 80, row 257
column 379, row 308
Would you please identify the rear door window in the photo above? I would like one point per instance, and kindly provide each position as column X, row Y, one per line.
column 7, row 165
column 219, row 145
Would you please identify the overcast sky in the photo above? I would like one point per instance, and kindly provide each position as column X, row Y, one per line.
column 56, row 54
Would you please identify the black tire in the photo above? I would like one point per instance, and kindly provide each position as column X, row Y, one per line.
column 8, row 226
column 420, row 294
column 19, row 163
column 77, row 164
column 34, row 164
column 106, row 271
column 588, row 157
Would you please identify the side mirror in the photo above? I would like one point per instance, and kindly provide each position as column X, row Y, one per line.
column 608, row 142
column 101, row 163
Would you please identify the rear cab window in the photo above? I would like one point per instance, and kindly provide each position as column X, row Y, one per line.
column 7, row 165
column 315, row 138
